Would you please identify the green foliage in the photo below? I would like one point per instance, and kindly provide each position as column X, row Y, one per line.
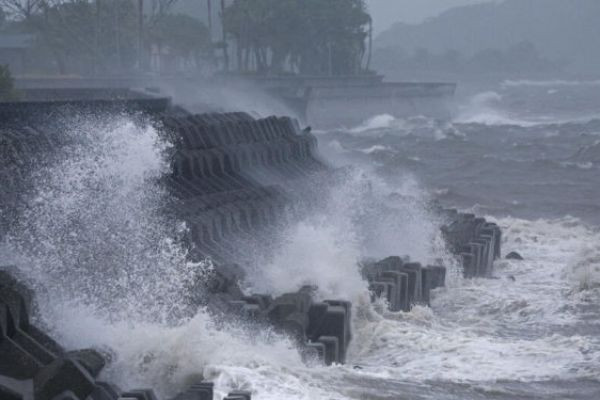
column 7, row 90
column 79, row 36
column 102, row 37
column 309, row 36
column 183, row 34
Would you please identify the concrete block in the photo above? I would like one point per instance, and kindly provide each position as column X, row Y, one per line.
column 263, row 301
column 331, row 319
column 438, row 276
column 105, row 390
column 90, row 359
column 198, row 391
column 22, row 355
column 289, row 313
column 140, row 394
column 239, row 395
column 468, row 264
column 67, row 395
column 400, row 279
column 392, row 291
column 313, row 350
column 63, row 374
column 379, row 289
column 8, row 394
column 413, row 271
column 331, row 345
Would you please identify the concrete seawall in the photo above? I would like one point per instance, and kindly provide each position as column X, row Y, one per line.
column 233, row 176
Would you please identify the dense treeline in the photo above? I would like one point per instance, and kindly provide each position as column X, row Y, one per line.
column 326, row 37
column 315, row 37
column 105, row 36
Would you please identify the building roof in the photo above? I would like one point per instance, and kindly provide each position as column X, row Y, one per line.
column 16, row 40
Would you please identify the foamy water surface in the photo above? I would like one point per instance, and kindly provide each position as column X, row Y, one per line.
column 532, row 331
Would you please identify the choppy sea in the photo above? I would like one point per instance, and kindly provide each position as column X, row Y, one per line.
column 525, row 154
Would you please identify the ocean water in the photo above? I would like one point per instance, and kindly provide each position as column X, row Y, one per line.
column 524, row 154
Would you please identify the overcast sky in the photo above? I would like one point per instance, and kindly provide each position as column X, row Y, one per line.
column 386, row 12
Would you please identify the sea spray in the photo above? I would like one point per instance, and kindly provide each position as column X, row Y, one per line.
column 518, row 326
column 382, row 121
column 111, row 272
column 109, row 267
column 358, row 216
column 361, row 215
column 486, row 108
column 93, row 230
column 169, row 358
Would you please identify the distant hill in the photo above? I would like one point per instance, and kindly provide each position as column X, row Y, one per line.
column 563, row 31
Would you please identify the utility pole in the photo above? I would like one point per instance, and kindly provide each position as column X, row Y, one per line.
column 225, row 52
column 370, row 44
column 96, row 37
column 140, row 43
column 210, row 26
column 117, row 34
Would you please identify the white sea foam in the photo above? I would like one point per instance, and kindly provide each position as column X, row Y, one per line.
column 580, row 165
column 389, row 125
column 377, row 122
column 362, row 217
column 480, row 330
column 495, row 329
column 93, row 229
column 375, row 149
column 169, row 358
column 549, row 83
column 110, row 273
column 97, row 204
column 486, row 108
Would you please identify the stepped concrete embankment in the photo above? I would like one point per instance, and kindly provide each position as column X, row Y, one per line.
column 233, row 178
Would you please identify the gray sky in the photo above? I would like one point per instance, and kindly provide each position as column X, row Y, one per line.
column 386, row 12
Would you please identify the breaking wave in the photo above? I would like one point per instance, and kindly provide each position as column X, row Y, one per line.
column 110, row 269
column 377, row 122
column 361, row 217
column 113, row 274
column 493, row 109
column 588, row 154
column 549, row 83
column 93, row 230
column 486, row 109
column 517, row 326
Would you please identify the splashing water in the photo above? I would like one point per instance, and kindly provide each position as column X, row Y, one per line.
column 361, row 217
column 111, row 274
column 93, row 231
column 109, row 271
column 377, row 122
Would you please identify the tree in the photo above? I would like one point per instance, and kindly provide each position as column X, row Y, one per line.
column 307, row 36
column 105, row 36
column 7, row 89
column 23, row 9
column 185, row 37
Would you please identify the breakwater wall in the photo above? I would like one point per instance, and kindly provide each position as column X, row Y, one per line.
column 333, row 102
column 233, row 177
column 321, row 101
